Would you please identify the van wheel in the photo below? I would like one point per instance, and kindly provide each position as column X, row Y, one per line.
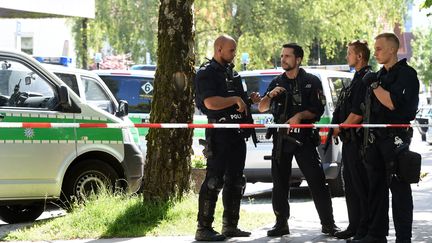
column 13, row 214
column 87, row 177
column 336, row 186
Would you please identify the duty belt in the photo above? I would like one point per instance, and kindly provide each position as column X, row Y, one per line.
column 224, row 120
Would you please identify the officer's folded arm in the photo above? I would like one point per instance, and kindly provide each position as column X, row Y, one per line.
column 219, row 103
column 303, row 115
column 353, row 119
column 384, row 97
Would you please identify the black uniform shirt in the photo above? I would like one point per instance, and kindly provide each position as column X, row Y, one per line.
column 358, row 91
column 402, row 83
column 210, row 80
column 312, row 97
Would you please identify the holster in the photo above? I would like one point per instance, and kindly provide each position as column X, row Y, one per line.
column 315, row 137
column 207, row 151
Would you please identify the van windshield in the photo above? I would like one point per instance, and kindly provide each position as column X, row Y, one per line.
column 137, row 91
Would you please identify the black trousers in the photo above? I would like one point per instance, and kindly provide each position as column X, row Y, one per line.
column 402, row 208
column 308, row 160
column 378, row 155
column 224, row 170
column 229, row 152
column 356, row 187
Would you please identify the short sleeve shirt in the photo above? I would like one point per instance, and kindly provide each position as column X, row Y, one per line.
column 403, row 85
column 310, row 87
column 210, row 81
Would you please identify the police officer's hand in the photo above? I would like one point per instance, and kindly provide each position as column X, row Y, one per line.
column 369, row 78
column 336, row 132
column 255, row 97
column 241, row 105
column 276, row 91
column 296, row 119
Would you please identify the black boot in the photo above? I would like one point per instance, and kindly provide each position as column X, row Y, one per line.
column 229, row 229
column 231, row 198
column 345, row 234
column 207, row 233
column 206, row 208
column 280, row 228
column 371, row 239
column 330, row 229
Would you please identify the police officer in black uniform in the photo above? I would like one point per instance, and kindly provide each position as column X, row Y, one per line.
column 393, row 99
column 348, row 111
column 305, row 104
column 219, row 95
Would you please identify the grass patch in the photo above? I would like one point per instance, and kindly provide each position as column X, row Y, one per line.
column 108, row 216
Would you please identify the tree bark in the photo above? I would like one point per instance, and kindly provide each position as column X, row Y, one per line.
column 167, row 168
column 84, row 50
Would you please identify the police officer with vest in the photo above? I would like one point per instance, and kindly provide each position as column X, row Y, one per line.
column 393, row 99
column 348, row 111
column 298, row 97
column 220, row 95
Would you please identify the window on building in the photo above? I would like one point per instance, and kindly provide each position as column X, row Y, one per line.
column 27, row 44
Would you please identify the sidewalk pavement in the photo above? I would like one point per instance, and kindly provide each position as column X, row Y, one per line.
column 301, row 231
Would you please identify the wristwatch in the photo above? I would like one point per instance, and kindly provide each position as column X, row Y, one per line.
column 374, row 85
column 268, row 95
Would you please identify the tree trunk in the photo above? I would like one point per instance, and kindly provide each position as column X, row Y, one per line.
column 167, row 169
column 84, row 50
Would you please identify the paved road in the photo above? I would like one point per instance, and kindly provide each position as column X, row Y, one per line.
column 304, row 223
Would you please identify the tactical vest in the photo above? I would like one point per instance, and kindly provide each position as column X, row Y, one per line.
column 234, row 87
column 344, row 102
column 294, row 100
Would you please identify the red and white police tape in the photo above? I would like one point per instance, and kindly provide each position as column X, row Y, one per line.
column 193, row 125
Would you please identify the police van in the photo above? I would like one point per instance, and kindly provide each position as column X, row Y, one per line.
column 39, row 165
column 258, row 169
column 91, row 89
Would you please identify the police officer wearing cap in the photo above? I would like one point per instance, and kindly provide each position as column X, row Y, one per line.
column 299, row 97
column 218, row 96
column 348, row 111
column 393, row 99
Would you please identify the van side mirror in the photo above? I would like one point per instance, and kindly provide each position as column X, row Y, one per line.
column 123, row 109
column 64, row 99
column 27, row 80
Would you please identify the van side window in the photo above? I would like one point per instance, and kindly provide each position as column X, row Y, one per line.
column 96, row 96
column 21, row 86
column 138, row 91
column 70, row 80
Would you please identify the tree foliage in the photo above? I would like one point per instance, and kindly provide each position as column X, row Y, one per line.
column 259, row 26
column 127, row 26
column 167, row 168
column 422, row 54
column 426, row 4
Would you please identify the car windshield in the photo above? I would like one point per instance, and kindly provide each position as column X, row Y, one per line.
column 137, row 91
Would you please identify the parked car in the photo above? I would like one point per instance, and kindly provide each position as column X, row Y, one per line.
column 92, row 89
column 40, row 165
column 137, row 88
column 424, row 116
column 147, row 67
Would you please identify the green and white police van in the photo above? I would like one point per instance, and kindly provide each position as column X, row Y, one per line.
column 39, row 165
